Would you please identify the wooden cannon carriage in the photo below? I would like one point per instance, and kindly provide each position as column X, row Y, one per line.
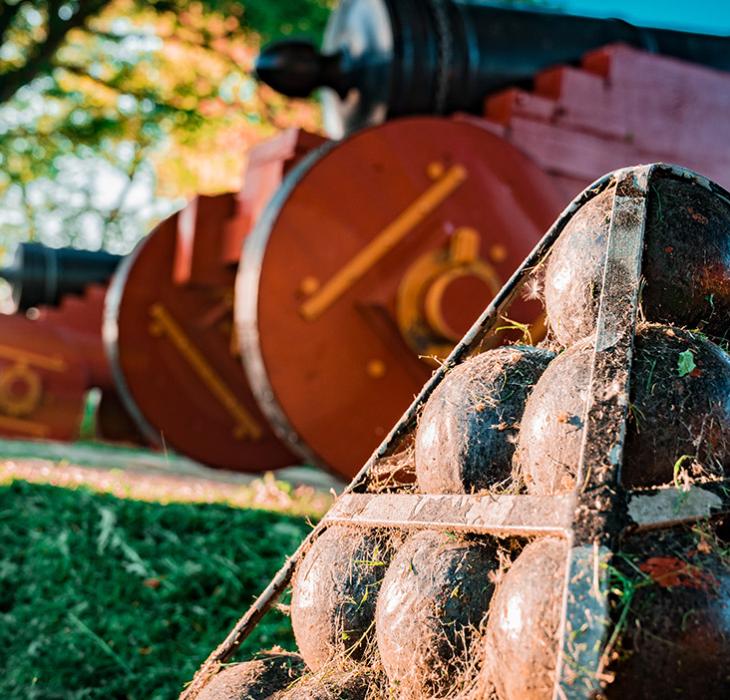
column 361, row 261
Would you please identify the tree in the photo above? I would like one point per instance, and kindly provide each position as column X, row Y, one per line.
column 32, row 31
column 134, row 96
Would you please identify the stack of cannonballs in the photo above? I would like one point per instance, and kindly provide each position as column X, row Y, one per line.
column 431, row 614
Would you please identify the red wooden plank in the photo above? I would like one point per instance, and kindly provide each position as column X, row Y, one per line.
column 491, row 126
column 200, row 237
column 650, row 107
column 267, row 164
column 571, row 187
column 504, row 106
column 668, row 105
column 581, row 156
column 583, row 101
column 564, row 151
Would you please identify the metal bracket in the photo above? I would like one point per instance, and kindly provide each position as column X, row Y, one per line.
column 597, row 513
column 599, row 507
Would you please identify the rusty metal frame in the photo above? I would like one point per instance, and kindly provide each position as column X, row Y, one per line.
column 596, row 514
column 599, row 502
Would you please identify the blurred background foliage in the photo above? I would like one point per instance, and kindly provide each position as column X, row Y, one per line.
column 112, row 112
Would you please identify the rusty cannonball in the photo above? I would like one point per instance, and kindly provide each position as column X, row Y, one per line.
column 678, row 420
column 467, row 433
column 334, row 684
column 670, row 627
column 334, row 593
column 686, row 264
column 260, row 679
column 672, row 600
column 430, row 608
column 520, row 645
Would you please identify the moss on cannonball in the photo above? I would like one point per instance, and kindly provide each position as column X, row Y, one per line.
column 431, row 604
column 686, row 266
column 672, row 597
column 468, row 429
column 259, row 679
column 679, row 413
column 334, row 593
column 520, row 645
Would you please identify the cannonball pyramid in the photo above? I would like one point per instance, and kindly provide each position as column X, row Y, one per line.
column 543, row 522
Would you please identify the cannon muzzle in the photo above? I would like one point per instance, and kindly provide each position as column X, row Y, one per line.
column 40, row 275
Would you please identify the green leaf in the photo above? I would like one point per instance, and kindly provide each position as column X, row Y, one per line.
column 686, row 363
column 678, row 468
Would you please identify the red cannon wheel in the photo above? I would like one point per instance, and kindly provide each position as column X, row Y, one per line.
column 375, row 251
column 42, row 382
column 176, row 365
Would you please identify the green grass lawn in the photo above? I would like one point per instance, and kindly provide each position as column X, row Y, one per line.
column 102, row 597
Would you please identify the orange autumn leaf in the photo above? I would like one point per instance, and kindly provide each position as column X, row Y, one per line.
column 670, row 572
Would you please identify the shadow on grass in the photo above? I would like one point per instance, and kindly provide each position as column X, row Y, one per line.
column 108, row 598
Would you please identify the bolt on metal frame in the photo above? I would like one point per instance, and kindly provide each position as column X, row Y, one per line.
column 597, row 513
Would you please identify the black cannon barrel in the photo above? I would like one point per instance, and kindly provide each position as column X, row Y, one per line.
column 388, row 58
column 40, row 275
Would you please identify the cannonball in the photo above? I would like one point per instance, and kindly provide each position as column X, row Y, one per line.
column 334, row 593
column 686, row 264
column 431, row 604
column 467, row 432
column 260, row 679
column 675, row 638
column 669, row 616
column 521, row 641
column 679, row 413
column 335, row 684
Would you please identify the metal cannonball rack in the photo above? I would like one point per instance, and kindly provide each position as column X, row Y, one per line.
column 594, row 517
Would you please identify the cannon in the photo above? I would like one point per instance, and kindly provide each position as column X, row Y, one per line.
column 596, row 566
column 383, row 59
column 168, row 329
column 43, row 276
column 50, row 359
column 362, row 261
column 619, row 105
